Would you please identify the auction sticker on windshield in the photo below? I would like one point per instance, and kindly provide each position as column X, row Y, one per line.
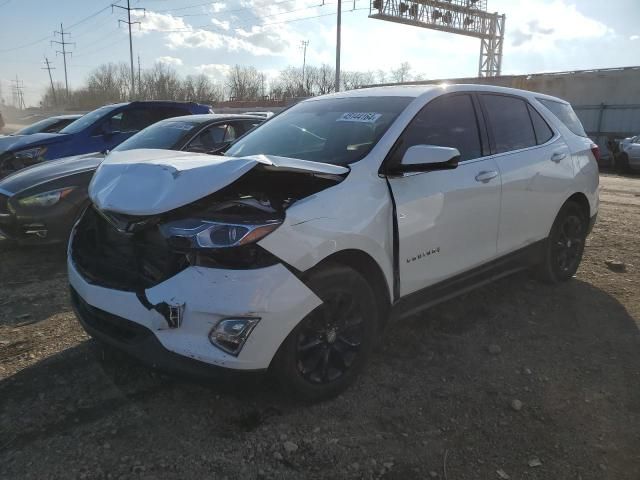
column 363, row 117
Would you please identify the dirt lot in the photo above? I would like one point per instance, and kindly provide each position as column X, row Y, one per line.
column 436, row 402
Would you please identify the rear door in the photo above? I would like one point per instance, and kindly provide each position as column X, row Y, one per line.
column 448, row 219
column 535, row 165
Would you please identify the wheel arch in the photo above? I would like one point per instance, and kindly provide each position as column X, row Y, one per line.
column 365, row 265
column 582, row 200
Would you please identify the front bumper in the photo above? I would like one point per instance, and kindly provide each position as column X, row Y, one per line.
column 273, row 294
column 50, row 225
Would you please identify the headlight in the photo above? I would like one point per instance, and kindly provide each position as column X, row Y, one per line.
column 45, row 199
column 230, row 334
column 193, row 233
column 30, row 153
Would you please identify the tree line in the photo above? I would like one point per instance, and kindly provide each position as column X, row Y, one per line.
column 110, row 83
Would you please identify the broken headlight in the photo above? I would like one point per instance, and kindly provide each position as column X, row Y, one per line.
column 192, row 233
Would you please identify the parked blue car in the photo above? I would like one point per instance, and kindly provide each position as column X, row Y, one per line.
column 97, row 131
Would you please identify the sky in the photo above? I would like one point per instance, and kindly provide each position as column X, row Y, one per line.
column 195, row 36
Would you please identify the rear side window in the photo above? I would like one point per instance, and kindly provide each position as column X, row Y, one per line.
column 542, row 130
column 510, row 122
column 448, row 121
column 565, row 114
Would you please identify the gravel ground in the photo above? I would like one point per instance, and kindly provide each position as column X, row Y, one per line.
column 515, row 380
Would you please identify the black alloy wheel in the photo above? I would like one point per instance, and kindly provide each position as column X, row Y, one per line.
column 327, row 350
column 565, row 245
column 330, row 338
column 568, row 242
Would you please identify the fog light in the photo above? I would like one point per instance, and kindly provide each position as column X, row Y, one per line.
column 230, row 334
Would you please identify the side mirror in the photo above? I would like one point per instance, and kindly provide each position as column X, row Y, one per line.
column 425, row 158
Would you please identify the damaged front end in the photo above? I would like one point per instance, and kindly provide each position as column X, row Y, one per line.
column 136, row 252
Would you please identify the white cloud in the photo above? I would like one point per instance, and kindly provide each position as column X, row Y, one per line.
column 167, row 60
column 541, row 25
column 634, row 37
column 224, row 25
column 215, row 71
column 152, row 21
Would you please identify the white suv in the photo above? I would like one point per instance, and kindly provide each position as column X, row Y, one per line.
column 290, row 252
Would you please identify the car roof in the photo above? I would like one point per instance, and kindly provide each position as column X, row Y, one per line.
column 210, row 117
column 420, row 90
column 64, row 117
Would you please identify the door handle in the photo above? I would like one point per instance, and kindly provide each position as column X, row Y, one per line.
column 486, row 176
column 557, row 156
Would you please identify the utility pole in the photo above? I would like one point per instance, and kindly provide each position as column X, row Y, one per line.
column 64, row 53
column 18, row 93
column 129, row 23
column 339, row 25
column 49, row 68
column 139, row 82
column 305, row 44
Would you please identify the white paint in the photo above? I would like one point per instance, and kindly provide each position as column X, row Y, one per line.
column 274, row 294
column 149, row 182
column 455, row 216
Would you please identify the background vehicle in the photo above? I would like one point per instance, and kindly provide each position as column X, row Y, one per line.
column 40, row 203
column 260, row 114
column 97, row 131
column 628, row 156
column 47, row 125
column 289, row 253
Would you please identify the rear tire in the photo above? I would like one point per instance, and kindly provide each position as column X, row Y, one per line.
column 565, row 245
column 327, row 350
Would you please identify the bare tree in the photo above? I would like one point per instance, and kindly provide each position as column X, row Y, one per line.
column 381, row 76
column 325, row 82
column 352, row 80
column 402, row 73
column 244, row 83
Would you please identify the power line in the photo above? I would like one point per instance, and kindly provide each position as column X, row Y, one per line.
column 64, row 53
column 17, row 90
column 49, row 68
column 94, row 14
column 129, row 23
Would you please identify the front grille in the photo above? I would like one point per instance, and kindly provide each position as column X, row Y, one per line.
column 4, row 204
column 123, row 261
column 108, row 324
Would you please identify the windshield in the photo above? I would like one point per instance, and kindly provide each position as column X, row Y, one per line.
column 331, row 130
column 37, row 127
column 167, row 134
column 88, row 119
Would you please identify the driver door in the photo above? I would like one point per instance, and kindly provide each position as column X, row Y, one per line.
column 447, row 219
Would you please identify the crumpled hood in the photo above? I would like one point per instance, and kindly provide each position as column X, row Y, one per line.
column 150, row 182
column 49, row 170
column 20, row 142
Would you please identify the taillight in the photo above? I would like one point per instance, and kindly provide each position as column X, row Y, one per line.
column 595, row 149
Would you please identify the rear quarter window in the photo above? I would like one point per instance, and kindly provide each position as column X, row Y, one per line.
column 565, row 114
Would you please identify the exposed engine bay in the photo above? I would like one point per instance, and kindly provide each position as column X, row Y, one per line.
column 134, row 253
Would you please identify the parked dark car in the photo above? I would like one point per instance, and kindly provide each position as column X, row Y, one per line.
column 47, row 125
column 97, row 131
column 39, row 204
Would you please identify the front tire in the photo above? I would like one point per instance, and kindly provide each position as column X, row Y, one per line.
column 565, row 245
column 328, row 349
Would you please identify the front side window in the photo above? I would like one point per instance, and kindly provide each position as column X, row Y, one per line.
column 448, row 121
column 213, row 138
column 332, row 130
column 509, row 121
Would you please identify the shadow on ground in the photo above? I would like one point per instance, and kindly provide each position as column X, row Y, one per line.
column 433, row 399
